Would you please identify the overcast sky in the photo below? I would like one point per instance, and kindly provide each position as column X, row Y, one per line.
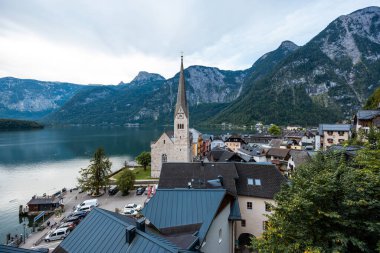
column 108, row 41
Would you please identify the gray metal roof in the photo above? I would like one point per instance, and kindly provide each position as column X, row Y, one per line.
column 10, row 249
column 181, row 207
column 334, row 127
column 367, row 114
column 105, row 231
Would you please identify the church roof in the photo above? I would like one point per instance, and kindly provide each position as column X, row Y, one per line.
column 181, row 96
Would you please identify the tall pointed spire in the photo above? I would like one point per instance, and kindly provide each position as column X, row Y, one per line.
column 181, row 96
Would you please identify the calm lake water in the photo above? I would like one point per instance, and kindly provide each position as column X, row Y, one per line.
column 45, row 161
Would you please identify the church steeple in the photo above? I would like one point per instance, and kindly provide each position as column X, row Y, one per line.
column 181, row 96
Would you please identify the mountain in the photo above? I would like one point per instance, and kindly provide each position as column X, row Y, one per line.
column 326, row 80
column 149, row 98
column 32, row 99
column 144, row 77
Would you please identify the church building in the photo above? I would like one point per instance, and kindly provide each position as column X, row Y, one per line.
column 174, row 147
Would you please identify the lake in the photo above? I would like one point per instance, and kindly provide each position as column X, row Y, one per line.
column 45, row 161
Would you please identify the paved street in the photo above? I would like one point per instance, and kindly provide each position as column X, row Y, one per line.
column 73, row 198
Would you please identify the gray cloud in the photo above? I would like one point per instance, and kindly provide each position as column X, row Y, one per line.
column 117, row 38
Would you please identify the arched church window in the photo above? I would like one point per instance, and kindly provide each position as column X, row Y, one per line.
column 164, row 141
column 164, row 158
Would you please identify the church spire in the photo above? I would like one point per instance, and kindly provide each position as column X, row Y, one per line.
column 181, row 96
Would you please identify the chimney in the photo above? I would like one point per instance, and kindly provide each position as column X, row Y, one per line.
column 140, row 224
column 130, row 233
column 220, row 180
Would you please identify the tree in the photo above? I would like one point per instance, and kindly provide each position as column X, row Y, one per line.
column 144, row 159
column 274, row 129
column 126, row 181
column 331, row 205
column 95, row 176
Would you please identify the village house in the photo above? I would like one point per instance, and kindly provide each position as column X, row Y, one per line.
column 253, row 184
column 43, row 203
column 365, row 119
column 297, row 158
column 332, row 134
column 203, row 219
column 234, row 142
column 279, row 157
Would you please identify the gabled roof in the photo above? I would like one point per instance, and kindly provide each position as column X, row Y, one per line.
column 367, row 114
column 43, row 201
column 181, row 96
column 178, row 175
column 105, row 231
column 275, row 143
column 10, row 249
column 334, row 127
column 235, row 138
column 270, row 177
column 184, row 207
column 279, row 152
column 299, row 156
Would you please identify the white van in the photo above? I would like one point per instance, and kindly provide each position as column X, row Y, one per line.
column 89, row 202
column 58, row 234
column 85, row 208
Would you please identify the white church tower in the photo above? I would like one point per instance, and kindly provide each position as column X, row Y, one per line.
column 174, row 147
column 181, row 122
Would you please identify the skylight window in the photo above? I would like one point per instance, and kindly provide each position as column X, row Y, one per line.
column 250, row 181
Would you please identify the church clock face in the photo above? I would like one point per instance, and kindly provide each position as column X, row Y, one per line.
column 180, row 115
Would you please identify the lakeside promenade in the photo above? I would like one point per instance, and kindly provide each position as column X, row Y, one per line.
column 71, row 199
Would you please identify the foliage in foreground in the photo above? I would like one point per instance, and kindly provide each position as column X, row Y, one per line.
column 331, row 205
column 95, row 176
column 126, row 181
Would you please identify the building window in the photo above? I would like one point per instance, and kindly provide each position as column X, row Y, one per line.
column 243, row 223
column 330, row 141
column 330, row 132
column 268, row 207
column 220, row 235
column 341, row 141
column 249, row 205
column 257, row 181
column 164, row 158
column 265, row 225
column 341, row 133
column 164, row 141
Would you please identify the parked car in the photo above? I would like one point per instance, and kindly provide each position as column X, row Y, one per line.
column 140, row 191
column 71, row 225
column 44, row 250
column 80, row 214
column 89, row 202
column 132, row 206
column 130, row 212
column 58, row 234
column 73, row 219
column 113, row 190
column 86, row 208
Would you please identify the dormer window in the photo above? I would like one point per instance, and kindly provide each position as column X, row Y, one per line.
column 254, row 181
column 257, row 181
